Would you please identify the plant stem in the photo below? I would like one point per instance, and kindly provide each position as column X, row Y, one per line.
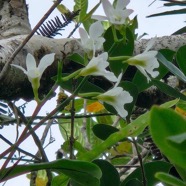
column 141, row 163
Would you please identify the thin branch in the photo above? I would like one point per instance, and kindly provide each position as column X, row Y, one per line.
column 72, row 111
column 5, row 68
column 141, row 163
column 34, row 135
column 58, row 117
column 19, row 149
column 25, row 135
column 133, row 161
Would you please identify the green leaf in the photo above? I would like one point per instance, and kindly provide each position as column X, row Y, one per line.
column 181, row 58
column 67, row 85
column 89, row 14
column 133, row 129
column 110, row 175
column 172, row 68
column 103, row 131
column 150, row 169
column 124, row 47
column 83, row 172
column 178, row 141
column 168, row 179
column 77, row 58
column 168, row 89
column 180, row 31
column 133, row 182
column 172, row 12
column 165, row 123
column 60, row 180
column 81, row 5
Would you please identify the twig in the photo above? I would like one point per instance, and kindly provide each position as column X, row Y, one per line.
column 34, row 135
column 59, row 117
column 141, row 162
column 19, row 149
column 25, row 135
column 84, row 127
column 133, row 161
column 45, row 134
column 5, row 68
column 72, row 111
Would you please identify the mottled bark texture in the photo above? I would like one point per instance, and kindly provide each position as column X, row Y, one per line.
column 15, row 26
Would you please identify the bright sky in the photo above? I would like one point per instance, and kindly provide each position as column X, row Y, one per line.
column 153, row 26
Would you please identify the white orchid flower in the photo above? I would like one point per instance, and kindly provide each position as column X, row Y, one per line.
column 97, row 67
column 146, row 62
column 94, row 41
column 116, row 97
column 116, row 15
column 34, row 73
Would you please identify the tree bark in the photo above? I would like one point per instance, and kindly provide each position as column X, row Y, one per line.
column 15, row 26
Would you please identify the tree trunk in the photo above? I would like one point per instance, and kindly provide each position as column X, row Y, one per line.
column 15, row 26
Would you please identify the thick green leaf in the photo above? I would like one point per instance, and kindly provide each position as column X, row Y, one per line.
column 178, row 141
column 60, row 180
column 168, row 89
column 110, row 176
column 82, row 172
column 103, row 131
column 133, row 129
column 181, row 58
column 172, row 68
column 77, row 58
column 169, row 179
column 150, row 170
column 68, row 86
column 165, row 123
column 124, row 47
column 133, row 182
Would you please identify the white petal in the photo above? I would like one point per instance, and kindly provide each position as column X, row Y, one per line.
column 33, row 74
column 98, row 43
column 19, row 67
column 108, row 8
column 121, row 4
column 99, row 17
column 150, row 44
column 96, row 30
column 104, row 56
column 119, row 79
column 110, row 76
column 114, row 92
column 46, row 61
column 142, row 70
column 30, row 62
column 83, row 35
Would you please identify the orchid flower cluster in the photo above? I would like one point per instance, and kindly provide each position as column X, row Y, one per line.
column 92, row 42
column 145, row 62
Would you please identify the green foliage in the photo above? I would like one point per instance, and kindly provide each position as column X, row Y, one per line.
column 82, row 172
column 150, row 170
column 110, row 175
column 100, row 138
column 172, row 127
column 168, row 179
